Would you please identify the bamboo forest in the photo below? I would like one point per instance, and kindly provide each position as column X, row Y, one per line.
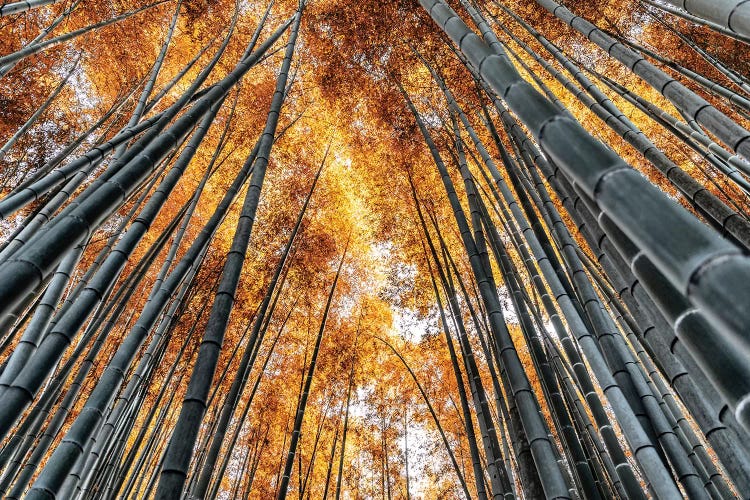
column 375, row 249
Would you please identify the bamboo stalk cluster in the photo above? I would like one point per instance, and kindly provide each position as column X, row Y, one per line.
column 620, row 369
